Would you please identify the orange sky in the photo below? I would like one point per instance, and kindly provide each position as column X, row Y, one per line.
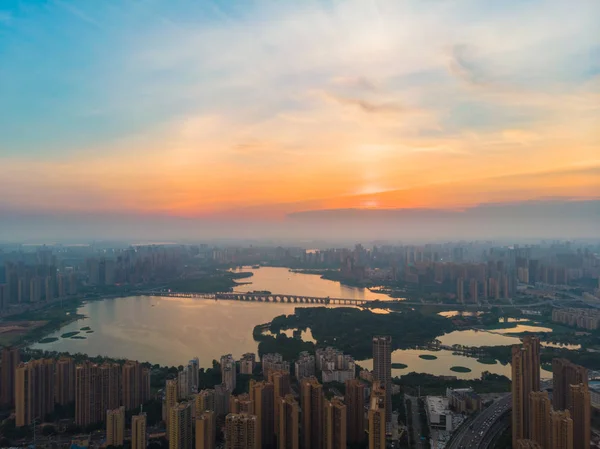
column 295, row 109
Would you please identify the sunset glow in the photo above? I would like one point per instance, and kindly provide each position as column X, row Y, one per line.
column 206, row 108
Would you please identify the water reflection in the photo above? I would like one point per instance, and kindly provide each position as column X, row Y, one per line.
column 442, row 364
column 284, row 281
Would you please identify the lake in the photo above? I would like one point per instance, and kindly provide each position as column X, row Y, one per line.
column 171, row 331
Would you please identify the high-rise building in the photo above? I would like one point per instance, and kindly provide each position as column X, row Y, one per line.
column 355, row 403
column 64, row 389
column 241, row 432
column 540, row 409
column 194, row 374
column 305, row 365
column 222, row 396
column 334, row 424
column 580, row 410
column 262, row 395
column 528, row 444
column 138, row 431
column 525, row 379
column 241, row 404
column 273, row 362
column 473, row 290
column 247, row 363
column 34, row 391
column 228, row 371
column 184, row 383
column 460, row 290
column 110, row 386
column 11, row 357
column 289, row 415
column 87, row 386
column 562, row 430
column 171, row 398
column 382, row 370
column 136, row 384
column 205, row 400
column 206, row 428
column 281, row 387
column 115, row 426
column 311, row 401
column 377, row 423
column 180, row 426
column 564, row 374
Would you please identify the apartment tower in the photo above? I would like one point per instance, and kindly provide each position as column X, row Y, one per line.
column 262, row 396
column 562, row 430
column 525, row 379
column 64, row 389
column 564, row 374
column 334, row 424
column 580, row 411
column 540, row 409
column 377, row 417
column 34, row 391
column 355, row 401
column 206, row 428
column 180, row 426
column 241, row 432
column 382, row 370
column 138, row 431
column 289, row 415
column 311, row 401
column 11, row 357
column 115, row 426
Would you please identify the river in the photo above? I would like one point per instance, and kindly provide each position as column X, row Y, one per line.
column 171, row 331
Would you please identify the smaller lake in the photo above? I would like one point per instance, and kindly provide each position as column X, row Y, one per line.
column 441, row 366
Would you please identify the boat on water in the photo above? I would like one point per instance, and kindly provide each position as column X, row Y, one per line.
column 255, row 267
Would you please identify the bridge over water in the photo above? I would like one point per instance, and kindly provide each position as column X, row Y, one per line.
column 259, row 297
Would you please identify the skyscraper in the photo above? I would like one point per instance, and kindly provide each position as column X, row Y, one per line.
column 564, row 374
column 34, row 391
column 136, row 384
column 228, row 371
column 355, row 401
column 180, row 426
column 241, row 432
column 64, row 381
column 580, row 410
column 525, row 379
column 205, row 400
column 289, row 415
column 334, row 424
column 138, row 431
column 281, row 387
column 171, row 398
column 377, row 414
column 110, row 386
column 382, row 370
column 11, row 357
column 247, row 363
column 206, row 430
column 460, row 290
column 305, row 365
column 115, row 426
column 262, row 395
column 311, row 401
column 87, row 394
column 540, row 409
column 562, row 430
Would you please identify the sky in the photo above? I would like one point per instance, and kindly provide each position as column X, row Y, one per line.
column 262, row 110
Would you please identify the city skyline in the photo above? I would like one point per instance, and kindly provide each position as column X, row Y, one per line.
column 160, row 113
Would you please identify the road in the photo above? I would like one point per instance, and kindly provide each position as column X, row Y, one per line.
column 416, row 421
column 475, row 432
